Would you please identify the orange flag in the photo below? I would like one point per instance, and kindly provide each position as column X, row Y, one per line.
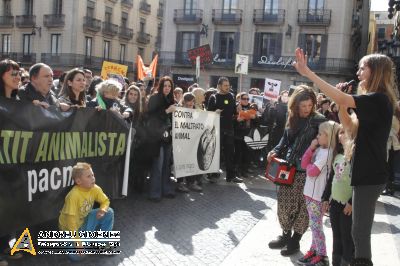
column 146, row 72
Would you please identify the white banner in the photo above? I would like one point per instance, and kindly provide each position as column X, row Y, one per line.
column 271, row 89
column 241, row 64
column 195, row 142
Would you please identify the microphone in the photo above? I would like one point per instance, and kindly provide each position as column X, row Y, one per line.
column 351, row 83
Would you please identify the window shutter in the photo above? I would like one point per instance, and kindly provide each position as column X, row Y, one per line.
column 236, row 44
column 257, row 47
column 216, row 42
column 179, row 35
column 302, row 41
column 278, row 47
column 324, row 46
column 197, row 40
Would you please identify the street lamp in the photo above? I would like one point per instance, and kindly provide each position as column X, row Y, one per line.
column 38, row 29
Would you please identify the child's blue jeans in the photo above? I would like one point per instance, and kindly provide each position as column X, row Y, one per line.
column 91, row 223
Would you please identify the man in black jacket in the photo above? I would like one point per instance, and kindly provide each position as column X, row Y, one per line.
column 224, row 103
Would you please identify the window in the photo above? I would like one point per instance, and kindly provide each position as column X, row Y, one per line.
column 271, row 6
column 108, row 15
column 142, row 25
column 58, row 7
column 124, row 20
column 90, row 9
column 189, row 6
column 106, row 54
column 27, row 41
column 29, row 7
column 313, row 46
column 315, row 4
column 188, row 40
column 226, row 44
column 88, row 46
column 381, row 33
column 7, row 7
column 268, row 45
column 140, row 51
column 122, row 53
column 55, row 44
column 6, row 43
column 229, row 6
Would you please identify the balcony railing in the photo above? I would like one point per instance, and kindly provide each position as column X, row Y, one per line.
column 110, row 29
column 269, row 17
column 227, row 16
column 125, row 33
column 145, row 7
column 25, row 59
column 278, row 63
column 143, row 37
column 91, row 24
column 188, row 16
column 127, row 3
column 25, row 21
column 54, row 20
column 314, row 17
column 6, row 21
column 78, row 60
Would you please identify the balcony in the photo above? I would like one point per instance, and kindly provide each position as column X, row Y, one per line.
column 6, row 21
column 314, row 17
column 77, row 60
column 25, row 59
column 143, row 38
column 127, row 3
column 91, row 24
column 144, row 7
column 188, row 16
column 269, row 17
column 227, row 16
column 25, row 21
column 54, row 20
column 110, row 29
column 125, row 33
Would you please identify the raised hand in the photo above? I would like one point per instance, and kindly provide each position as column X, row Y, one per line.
column 301, row 62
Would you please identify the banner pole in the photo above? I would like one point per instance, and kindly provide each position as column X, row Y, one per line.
column 240, row 86
column 127, row 161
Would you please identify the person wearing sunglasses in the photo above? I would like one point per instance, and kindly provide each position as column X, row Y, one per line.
column 10, row 77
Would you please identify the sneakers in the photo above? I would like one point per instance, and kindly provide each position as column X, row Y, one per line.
column 306, row 258
column 195, row 187
column 182, row 188
column 318, row 261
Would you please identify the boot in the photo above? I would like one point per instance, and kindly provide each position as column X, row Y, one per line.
column 292, row 246
column 361, row 262
column 281, row 241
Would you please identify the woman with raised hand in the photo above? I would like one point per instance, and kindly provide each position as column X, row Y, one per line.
column 374, row 111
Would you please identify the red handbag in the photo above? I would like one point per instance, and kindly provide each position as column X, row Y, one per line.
column 280, row 172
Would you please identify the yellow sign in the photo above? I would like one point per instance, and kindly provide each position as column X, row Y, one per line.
column 24, row 243
column 110, row 68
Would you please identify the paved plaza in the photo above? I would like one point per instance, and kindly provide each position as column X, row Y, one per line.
column 227, row 224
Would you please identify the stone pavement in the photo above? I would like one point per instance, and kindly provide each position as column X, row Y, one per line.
column 227, row 224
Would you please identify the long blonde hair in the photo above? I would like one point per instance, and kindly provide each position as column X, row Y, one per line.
column 382, row 77
column 351, row 134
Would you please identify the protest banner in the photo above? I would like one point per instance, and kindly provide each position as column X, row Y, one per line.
column 271, row 89
column 110, row 68
column 195, row 142
column 241, row 64
column 204, row 52
column 257, row 99
column 38, row 149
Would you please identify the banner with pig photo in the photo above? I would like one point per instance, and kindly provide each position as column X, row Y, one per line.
column 271, row 89
column 195, row 141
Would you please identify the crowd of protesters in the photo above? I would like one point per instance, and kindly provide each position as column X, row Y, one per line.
column 291, row 121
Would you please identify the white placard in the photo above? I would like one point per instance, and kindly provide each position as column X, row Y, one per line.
column 271, row 89
column 241, row 64
column 195, row 142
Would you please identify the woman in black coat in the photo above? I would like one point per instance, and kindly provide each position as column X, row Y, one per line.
column 159, row 125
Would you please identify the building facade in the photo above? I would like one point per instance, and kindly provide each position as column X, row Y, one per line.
column 268, row 31
column 80, row 33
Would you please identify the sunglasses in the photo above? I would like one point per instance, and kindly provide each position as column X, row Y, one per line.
column 245, row 99
column 15, row 73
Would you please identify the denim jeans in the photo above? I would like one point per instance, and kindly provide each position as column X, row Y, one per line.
column 91, row 223
column 160, row 177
